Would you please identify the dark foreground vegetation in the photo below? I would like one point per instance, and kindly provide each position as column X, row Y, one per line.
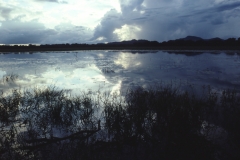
column 160, row 123
column 188, row 43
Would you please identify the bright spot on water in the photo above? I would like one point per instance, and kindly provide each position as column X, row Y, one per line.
column 126, row 60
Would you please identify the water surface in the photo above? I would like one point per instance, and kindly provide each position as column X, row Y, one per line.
column 115, row 71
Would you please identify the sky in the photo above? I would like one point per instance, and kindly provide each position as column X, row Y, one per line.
column 99, row 21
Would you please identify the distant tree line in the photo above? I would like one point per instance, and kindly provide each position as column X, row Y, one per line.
column 184, row 43
column 212, row 42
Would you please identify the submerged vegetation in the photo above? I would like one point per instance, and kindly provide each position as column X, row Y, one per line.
column 9, row 78
column 159, row 123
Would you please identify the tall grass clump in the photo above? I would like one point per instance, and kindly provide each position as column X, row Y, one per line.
column 34, row 123
column 154, row 123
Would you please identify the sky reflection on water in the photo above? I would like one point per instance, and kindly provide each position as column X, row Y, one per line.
column 112, row 71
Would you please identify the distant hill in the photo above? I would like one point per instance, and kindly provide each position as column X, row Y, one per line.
column 195, row 38
column 215, row 39
column 142, row 41
column 133, row 41
column 191, row 38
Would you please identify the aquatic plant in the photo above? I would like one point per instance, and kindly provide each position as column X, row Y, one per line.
column 9, row 78
column 161, row 122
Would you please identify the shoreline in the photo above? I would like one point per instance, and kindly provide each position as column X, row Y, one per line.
column 175, row 49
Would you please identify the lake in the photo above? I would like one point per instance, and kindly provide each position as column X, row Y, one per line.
column 159, row 122
column 116, row 71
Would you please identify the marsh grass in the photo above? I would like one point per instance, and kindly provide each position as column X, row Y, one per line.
column 162, row 122
column 9, row 78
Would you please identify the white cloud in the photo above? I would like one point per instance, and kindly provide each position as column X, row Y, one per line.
column 84, row 12
column 127, row 32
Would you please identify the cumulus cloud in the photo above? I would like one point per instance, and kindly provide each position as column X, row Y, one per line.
column 171, row 19
column 111, row 20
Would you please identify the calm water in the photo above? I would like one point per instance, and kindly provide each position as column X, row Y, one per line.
column 118, row 70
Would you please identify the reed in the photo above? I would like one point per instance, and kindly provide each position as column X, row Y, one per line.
column 159, row 122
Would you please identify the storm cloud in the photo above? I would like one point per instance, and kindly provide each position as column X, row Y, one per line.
column 94, row 21
column 164, row 20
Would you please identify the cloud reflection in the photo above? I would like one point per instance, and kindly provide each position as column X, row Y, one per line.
column 80, row 79
column 86, row 72
column 127, row 60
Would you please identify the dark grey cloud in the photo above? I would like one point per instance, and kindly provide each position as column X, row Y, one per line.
column 140, row 18
column 68, row 33
column 225, row 7
column 110, row 21
column 214, row 9
column 5, row 12
column 17, row 32
column 128, row 6
column 13, row 32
